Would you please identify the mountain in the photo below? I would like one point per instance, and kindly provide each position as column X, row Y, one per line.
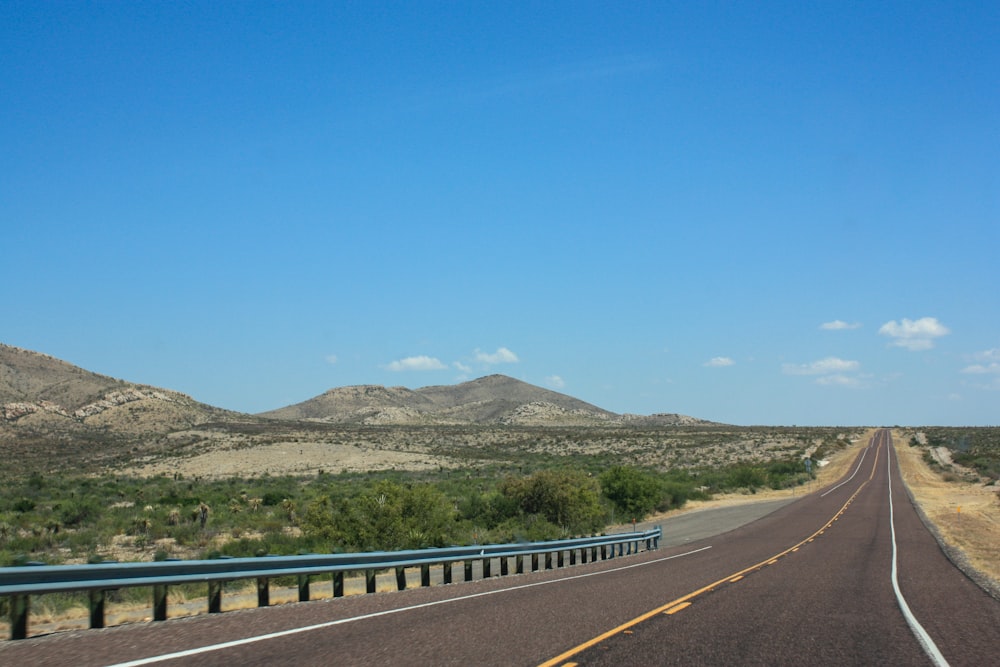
column 41, row 393
column 49, row 399
column 494, row 399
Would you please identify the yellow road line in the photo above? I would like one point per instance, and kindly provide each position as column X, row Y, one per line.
column 685, row 601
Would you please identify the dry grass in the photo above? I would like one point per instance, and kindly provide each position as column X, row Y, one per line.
column 966, row 515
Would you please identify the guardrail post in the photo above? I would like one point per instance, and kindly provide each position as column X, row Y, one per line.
column 519, row 564
column 560, row 559
column 263, row 592
column 548, row 560
column 604, row 552
column 468, row 570
column 487, row 568
column 534, row 562
column 303, row 588
column 96, row 599
column 160, row 602
column 656, row 538
column 214, row 597
column 400, row 578
column 572, row 556
column 19, row 605
column 369, row 581
column 504, row 566
column 425, row 575
column 446, row 572
column 338, row 584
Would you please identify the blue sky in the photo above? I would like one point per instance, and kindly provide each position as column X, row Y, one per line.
column 755, row 213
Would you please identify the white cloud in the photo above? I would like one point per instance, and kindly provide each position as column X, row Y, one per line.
column 838, row 325
column 719, row 362
column 555, row 381
column 983, row 369
column 827, row 366
column 462, row 367
column 331, row 358
column 419, row 363
column 501, row 356
column 914, row 335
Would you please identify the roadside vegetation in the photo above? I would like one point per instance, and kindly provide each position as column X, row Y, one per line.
column 500, row 495
column 975, row 448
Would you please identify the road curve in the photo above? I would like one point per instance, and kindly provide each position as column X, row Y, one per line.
column 809, row 582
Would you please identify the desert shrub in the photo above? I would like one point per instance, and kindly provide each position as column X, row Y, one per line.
column 566, row 498
column 385, row 516
column 634, row 492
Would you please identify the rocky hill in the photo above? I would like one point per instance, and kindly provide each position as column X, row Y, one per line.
column 494, row 399
column 43, row 397
column 39, row 393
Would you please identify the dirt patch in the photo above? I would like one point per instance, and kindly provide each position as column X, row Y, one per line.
column 292, row 458
column 965, row 515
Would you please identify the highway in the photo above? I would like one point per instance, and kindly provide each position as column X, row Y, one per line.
column 847, row 575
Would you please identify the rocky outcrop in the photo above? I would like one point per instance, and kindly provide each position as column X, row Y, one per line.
column 16, row 410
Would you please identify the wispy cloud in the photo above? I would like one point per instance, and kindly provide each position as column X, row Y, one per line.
column 914, row 335
column 461, row 367
column 536, row 81
column 839, row 380
column 331, row 358
column 501, row 356
column 839, row 325
column 983, row 369
column 555, row 381
column 719, row 362
column 830, row 366
column 418, row 363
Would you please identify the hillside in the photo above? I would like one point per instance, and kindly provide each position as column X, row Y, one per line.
column 53, row 411
column 57, row 415
column 494, row 399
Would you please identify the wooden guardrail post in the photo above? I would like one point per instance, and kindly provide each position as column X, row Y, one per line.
column 400, row 578
column 369, row 581
column 160, row 602
column 303, row 581
column 338, row 584
column 263, row 592
column 214, row 597
column 96, row 604
column 425, row 574
column 446, row 572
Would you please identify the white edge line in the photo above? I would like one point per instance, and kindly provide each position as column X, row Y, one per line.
column 863, row 455
column 319, row 626
column 930, row 648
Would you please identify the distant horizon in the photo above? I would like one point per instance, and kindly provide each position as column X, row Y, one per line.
column 777, row 213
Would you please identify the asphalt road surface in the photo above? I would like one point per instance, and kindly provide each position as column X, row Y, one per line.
column 847, row 575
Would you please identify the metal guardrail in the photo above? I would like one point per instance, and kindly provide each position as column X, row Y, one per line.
column 19, row 583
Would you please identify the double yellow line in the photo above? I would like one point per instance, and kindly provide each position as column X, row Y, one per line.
column 683, row 602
